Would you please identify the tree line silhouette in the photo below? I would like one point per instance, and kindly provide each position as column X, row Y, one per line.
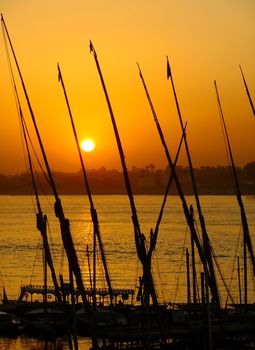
column 147, row 180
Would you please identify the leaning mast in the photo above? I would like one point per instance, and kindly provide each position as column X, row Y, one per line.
column 247, row 237
column 139, row 237
column 92, row 207
column 41, row 220
column 206, row 241
column 187, row 212
column 64, row 222
column 248, row 92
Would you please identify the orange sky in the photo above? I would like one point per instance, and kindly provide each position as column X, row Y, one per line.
column 204, row 40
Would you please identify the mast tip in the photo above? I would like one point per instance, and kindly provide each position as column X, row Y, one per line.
column 169, row 73
column 91, row 47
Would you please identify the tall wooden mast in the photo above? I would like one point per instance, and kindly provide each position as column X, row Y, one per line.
column 41, row 220
column 139, row 237
column 246, row 232
column 187, row 213
column 248, row 92
column 92, row 207
column 64, row 222
column 206, row 242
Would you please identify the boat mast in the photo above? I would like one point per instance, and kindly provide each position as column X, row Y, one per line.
column 139, row 237
column 92, row 207
column 188, row 214
column 64, row 222
column 193, row 262
column 248, row 92
column 206, row 242
column 155, row 232
column 41, row 220
column 246, row 233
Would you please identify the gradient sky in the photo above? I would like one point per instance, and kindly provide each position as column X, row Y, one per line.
column 205, row 40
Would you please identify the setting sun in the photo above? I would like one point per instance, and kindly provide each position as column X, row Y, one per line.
column 87, row 145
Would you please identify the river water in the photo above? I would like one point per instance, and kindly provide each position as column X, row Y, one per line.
column 21, row 246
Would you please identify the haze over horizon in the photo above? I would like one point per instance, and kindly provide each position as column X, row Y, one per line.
column 205, row 41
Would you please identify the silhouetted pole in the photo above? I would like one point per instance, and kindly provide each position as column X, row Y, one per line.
column 149, row 289
column 155, row 234
column 188, row 277
column 41, row 224
column 239, row 280
column 206, row 243
column 187, row 213
column 246, row 233
column 41, row 220
column 193, row 263
column 64, row 223
column 92, row 207
column 248, row 92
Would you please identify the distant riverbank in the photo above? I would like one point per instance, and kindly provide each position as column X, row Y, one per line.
column 147, row 180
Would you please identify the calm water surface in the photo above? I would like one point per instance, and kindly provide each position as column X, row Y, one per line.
column 20, row 244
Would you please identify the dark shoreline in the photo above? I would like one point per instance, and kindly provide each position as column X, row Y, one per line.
column 144, row 181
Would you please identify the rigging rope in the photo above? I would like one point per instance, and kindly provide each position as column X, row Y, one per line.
column 34, row 151
column 18, row 106
column 89, row 230
column 227, row 152
column 199, row 238
column 180, row 266
column 55, row 256
column 222, row 277
column 234, row 263
column 220, row 272
column 88, row 254
column 22, row 120
column 159, row 275
column 39, row 247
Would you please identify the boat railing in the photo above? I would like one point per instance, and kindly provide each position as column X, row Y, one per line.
column 40, row 289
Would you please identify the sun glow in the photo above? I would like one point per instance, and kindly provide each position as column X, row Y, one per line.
column 88, row 145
